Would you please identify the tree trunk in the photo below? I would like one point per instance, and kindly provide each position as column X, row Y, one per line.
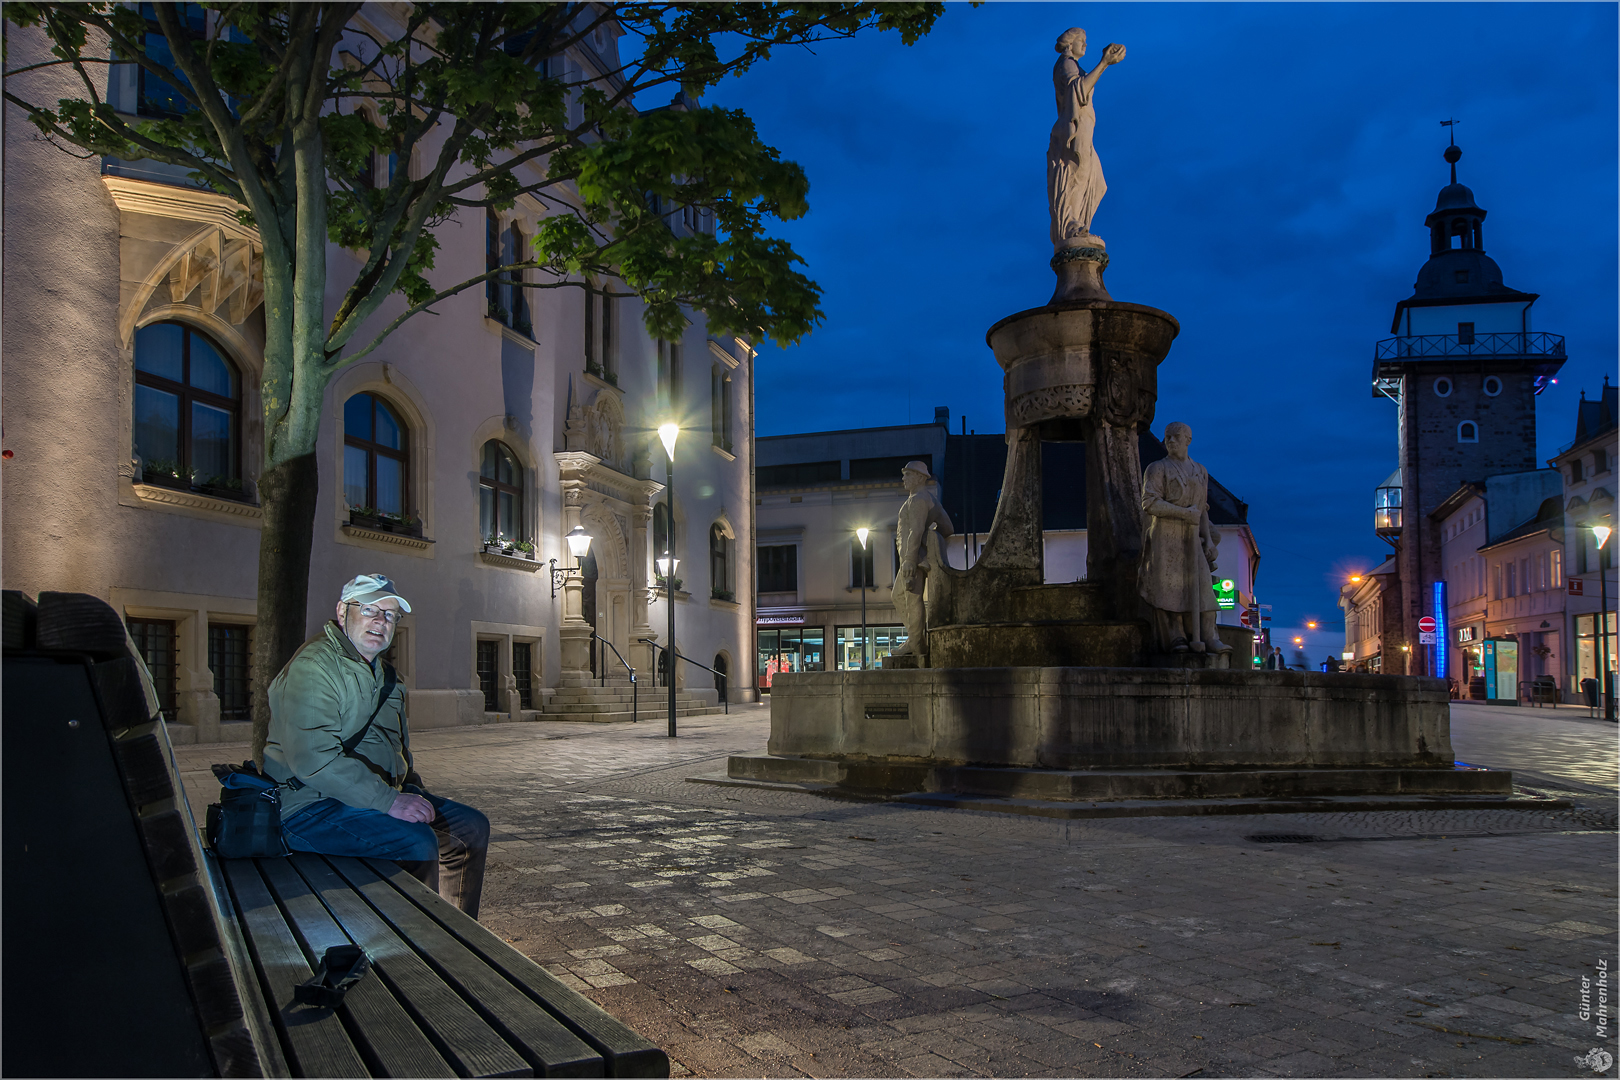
column 287, row 493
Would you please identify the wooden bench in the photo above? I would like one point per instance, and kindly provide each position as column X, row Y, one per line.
column 131, row 950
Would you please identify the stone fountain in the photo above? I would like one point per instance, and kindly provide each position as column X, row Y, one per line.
column 1116, row 694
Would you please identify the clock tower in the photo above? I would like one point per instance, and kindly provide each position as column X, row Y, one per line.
column 1463, row 369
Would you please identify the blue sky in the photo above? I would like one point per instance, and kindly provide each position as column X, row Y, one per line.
column 1269, row 169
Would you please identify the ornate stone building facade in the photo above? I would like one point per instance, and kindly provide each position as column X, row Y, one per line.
column 133, row 347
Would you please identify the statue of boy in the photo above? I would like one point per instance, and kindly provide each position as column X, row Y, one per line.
column 1179, row 549
column 919, row 511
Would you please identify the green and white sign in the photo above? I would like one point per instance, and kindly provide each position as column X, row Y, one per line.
column 1225, row 593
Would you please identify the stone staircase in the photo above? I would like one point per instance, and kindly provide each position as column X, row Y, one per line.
column 611, row 703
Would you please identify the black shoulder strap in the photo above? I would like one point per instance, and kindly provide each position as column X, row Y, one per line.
column 390, row 680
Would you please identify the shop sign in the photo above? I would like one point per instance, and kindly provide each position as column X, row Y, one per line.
column 1225, row 594
column 1577, row 586
column 1465, row 633
column 779, row 620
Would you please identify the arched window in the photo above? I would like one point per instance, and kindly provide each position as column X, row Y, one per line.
column 719, row 565
column 188, row 408
column 375, row 470
column 1468, row 431
column 500, row 493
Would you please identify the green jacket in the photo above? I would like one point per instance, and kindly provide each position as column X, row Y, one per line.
column 323, row 696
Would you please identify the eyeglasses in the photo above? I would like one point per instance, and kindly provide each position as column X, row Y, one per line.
column 368, row 613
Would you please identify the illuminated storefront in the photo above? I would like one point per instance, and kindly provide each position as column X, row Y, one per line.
column 885, row 639
column 796, row 648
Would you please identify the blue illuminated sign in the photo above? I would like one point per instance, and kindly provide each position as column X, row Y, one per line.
column 1441, row 631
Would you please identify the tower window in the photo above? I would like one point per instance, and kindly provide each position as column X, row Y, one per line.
column 1462, row 277
column 1442, row 387
column 1465, row 332
column 1493, row 385
column 1468, row 431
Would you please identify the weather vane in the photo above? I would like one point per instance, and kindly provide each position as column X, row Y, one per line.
column 1452, row 151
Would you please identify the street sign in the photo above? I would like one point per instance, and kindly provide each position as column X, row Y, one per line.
column 1246, row 618
column 1426, row 637
column 1426, row 625
column 1577, row 586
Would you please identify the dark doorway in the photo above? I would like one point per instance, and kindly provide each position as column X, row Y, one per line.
column 720, row 679
column 587, row 567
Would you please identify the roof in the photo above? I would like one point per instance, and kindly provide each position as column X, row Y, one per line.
column 1455, row 501
column 1549, row 514
column 1594, row 418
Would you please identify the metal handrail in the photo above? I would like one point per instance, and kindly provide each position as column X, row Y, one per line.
column 635, row 693
column 725, row 700
column 1534, row 343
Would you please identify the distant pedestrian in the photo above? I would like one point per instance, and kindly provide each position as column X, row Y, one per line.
column 1331, row 664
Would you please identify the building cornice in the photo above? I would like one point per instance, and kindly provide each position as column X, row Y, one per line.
column 184, row 204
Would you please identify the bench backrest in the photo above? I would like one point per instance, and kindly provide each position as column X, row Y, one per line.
column 117, row 954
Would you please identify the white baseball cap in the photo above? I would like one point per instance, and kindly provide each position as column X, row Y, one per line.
column 370, row 588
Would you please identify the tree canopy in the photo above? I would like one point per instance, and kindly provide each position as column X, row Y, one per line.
column 471, row 93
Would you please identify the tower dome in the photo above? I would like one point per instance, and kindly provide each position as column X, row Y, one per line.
column 1458, row 268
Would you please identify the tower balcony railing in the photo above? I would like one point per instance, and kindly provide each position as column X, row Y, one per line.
column 1419, row 346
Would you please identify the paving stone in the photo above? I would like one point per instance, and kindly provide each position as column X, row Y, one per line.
column 747, row 933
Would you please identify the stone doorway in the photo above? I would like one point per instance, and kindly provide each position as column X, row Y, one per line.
column 588, row 572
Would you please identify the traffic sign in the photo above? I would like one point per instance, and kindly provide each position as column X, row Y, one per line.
column 1246, row 618
column 1426, row 637
column 1426, row 625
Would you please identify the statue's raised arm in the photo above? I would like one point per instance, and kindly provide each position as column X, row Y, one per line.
column 1074, row 176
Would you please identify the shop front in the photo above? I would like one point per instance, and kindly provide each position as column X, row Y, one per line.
column 884, row 641
column 787, row 648
column 1587, row 646
column 1470, row 661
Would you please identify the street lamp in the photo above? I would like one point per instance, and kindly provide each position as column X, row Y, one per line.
column 666, row 566
column 862, row 533
column 579, row 546
column 1601, row 533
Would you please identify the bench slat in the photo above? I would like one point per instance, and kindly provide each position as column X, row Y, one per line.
column 469, row 1044
column 384, row 1032
column 546, row 1044
column 314, row 1036
column 624, row 1052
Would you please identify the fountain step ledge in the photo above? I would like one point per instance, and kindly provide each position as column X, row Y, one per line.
column 1134, row 792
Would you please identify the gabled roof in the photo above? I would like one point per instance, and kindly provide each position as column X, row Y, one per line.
column 1549, row 514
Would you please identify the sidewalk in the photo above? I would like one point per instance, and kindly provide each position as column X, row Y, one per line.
column 755, row 932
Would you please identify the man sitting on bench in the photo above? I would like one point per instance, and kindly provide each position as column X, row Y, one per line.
column 340, row 744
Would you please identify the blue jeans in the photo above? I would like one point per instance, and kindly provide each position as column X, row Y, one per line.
column 446, row 855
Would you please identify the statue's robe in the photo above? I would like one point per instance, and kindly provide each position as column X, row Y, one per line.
column 1175, row 574
column 1074, row 176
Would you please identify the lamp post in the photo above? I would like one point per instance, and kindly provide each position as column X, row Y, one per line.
column 666, row 566
column 579, row 546
column 1601, row 533
column 862, row 533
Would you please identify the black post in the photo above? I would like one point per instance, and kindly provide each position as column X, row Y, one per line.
column 864, row 659
column 669, row 589
column 1603, row 638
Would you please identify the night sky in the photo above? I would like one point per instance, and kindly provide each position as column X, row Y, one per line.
column 1269, row 169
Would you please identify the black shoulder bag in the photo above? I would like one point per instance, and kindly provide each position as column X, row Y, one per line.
column 246, row 822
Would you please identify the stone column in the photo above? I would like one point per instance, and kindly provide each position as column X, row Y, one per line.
column 574, row 636
column 641, row 656
column 1127, row 391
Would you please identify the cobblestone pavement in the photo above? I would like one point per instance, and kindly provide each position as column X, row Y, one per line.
column 1556, row 744
column 756, row 932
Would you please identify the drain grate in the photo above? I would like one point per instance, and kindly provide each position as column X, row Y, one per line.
column 1283, row 838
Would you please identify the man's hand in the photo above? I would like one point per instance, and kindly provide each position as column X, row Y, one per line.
column 412, row 808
